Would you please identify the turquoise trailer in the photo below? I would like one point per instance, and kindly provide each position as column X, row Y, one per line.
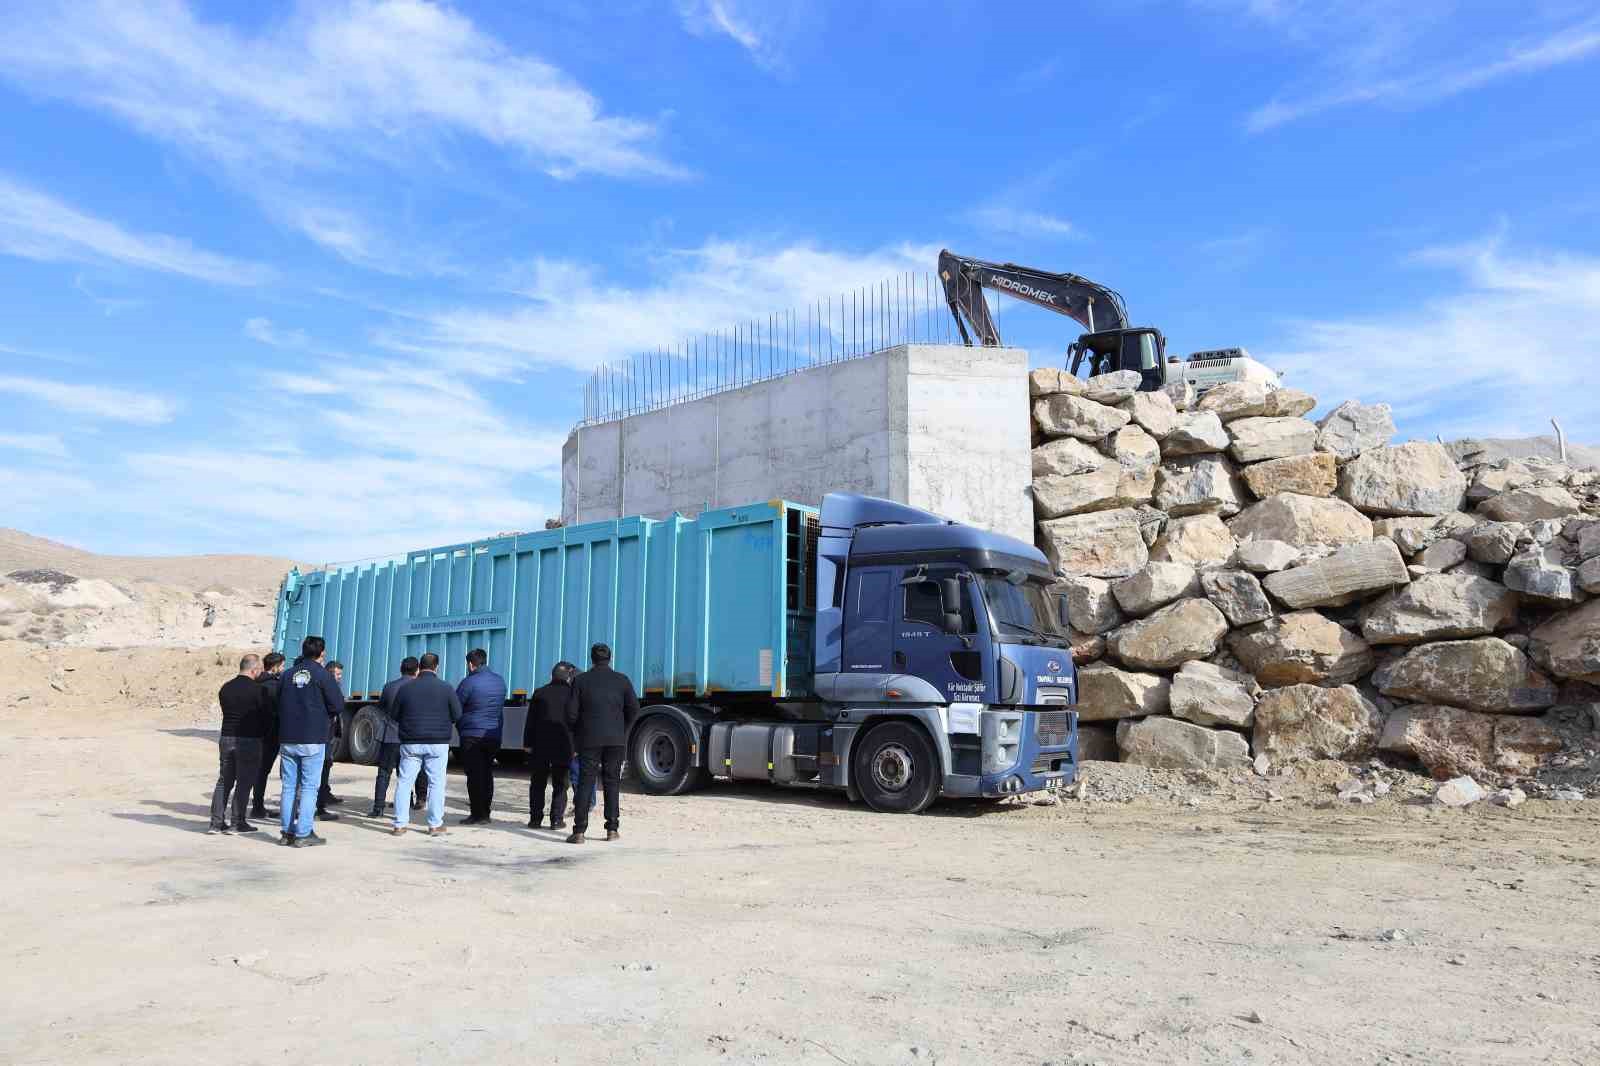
column 764, row 640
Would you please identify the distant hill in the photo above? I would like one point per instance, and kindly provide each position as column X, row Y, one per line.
column 1490, row 449
column 23, row 551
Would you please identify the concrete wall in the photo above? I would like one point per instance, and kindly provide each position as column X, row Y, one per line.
column 936, row 426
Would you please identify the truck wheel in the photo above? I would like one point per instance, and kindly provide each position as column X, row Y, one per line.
column 896, row 768
column 339, row 746
column 660, row 756
column 364, row 736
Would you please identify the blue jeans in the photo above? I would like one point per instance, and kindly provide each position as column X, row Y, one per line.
column 300, row 766
column 415, row 758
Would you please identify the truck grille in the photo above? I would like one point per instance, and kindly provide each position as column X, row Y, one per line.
column 1052, row 728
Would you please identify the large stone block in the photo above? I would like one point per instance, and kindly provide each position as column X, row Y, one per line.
column 1494, row 542
column 1063, row 415
column 1048, row 382
column 1167, row 742
column 1266, row 556
column 1213, row 696
column 1349, row 574
column 1237, row 595
column 1451, row 742
column 1091, row 607
column 1288, row 403
column 1441, row 555
column 1486, row 675
column 1589, row 576
column 1313, row 474
column 1302, row 647
column 1188, row 629
column 1541, row 575
column 1157, row 585
column 1235, row 400
column 1066, row 457
column 1195, row 433
column 1106, row 693
column 1416, row 478
column 1099, row 490
column 1302, row 521
column 1352, row 428
column 1200, row 540
column 1490, row 481
column 1410, row 534
column 1255, row 440
column 1112, row 388
column 1200, row 484
column 1100, row 544
column 1440, row 607
column 1312, row 722
column 1568, row 645
column 1153, row 412
column 1530, row 503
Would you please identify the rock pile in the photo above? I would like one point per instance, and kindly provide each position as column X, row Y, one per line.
column 1242, row 582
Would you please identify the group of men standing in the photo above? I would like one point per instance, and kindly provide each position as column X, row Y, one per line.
column 270, row 711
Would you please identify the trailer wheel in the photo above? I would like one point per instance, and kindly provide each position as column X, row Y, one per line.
column 660, row 756
column 364, row 737
column 896, row 768
column 339, row 746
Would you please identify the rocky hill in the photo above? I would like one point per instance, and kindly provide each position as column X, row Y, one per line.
column 1248, row 588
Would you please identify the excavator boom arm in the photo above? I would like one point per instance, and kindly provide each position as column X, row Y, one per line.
column 1093, row 305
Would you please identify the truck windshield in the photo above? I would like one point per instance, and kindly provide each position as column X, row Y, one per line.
column 1025, row 608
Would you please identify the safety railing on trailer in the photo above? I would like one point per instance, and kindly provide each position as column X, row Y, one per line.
column 908, row 308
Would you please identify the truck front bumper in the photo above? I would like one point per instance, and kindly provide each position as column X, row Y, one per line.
column 1037, row 768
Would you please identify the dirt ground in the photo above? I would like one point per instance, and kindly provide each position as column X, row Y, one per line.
column 746, row 924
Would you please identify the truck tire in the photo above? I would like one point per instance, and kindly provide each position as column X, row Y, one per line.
column 364, row 737
column 896, row 768
column 339, row 746
column 660, row 756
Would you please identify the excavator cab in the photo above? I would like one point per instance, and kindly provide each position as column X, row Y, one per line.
column 1143, row 349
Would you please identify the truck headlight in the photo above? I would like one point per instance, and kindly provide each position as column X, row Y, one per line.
column 1002, row 740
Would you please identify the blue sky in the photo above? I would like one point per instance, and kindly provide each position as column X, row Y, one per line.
column 323, row 280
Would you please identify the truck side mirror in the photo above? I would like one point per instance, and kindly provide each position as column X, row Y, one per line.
column 1061, row 612
column 950, row 603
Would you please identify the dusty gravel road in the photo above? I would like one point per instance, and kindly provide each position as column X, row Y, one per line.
column 746, row 925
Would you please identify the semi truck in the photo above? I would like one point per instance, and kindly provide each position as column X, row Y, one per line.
column 867, row 646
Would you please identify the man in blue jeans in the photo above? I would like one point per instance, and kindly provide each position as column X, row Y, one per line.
column 424, row 710
column 307, row 699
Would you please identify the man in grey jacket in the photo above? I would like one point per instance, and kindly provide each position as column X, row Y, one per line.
column 389, row 740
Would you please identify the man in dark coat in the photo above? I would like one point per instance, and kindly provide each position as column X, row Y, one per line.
column 424, row 711
column 549, row 743
column 270, row 678
column 244, row 719
column 307, row 700
column 389, row 739
column 325, row 796
column 602, row 711
column 482, row 694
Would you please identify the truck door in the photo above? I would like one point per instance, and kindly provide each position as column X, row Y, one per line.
column 868, row 619
column 944, row 650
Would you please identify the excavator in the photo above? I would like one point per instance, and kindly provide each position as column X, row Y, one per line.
column 1111, row 344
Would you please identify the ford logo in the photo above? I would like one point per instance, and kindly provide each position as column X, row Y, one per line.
column 1053, row 666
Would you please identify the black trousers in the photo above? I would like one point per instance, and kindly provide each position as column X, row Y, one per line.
column 237, row 760
column 389, row 764
column 552, row 769
column 607, row 763
column 323, row 791
column 477, row 759
column 269, row 755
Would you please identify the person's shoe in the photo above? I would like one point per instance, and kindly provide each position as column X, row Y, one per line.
column 262, row 813
column 535, row 823
column 437, row 830
column 335, row 800
column 286, row 839
column 470, row 820
column 215, row 829
column 376, row 812
column 612, row 834
column 558, row 825
column 310, row 840
column 327, row 816
column 398, row 831
column 245, row 827
column 575, row 838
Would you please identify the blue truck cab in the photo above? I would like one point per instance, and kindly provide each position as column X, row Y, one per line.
column 865, row 646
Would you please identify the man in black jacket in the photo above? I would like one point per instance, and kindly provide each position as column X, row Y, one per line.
column 425, row 711
column 307, row 700
column 549, row 743
column 270, row 678
column 325, row 795
column 244, row 719
column 602, row 711
column 389, row 740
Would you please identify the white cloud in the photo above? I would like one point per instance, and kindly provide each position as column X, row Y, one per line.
column 763, row 29
column 374, row 78
column 38, row 443
column 1022, row 222
column 35, row 225
column 571, row 318
column 1508, row 349
column 113, row 404
column 262, row 329
column 1363, row 46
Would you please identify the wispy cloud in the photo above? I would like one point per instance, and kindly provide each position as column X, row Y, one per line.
column 378, row 78
column 1364, row 48
column 1011, row 220
column 1499, row 355
column 763, row 29
column 38, row 443
column 116, row 405
column 35, row 225
column 262, row 329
